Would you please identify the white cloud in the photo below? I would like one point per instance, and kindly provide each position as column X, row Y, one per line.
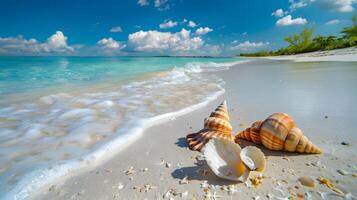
column 287, row 21
column 333, row 22
column 296, row 4
column 191, row 24
column 110, row 43
column 247, row 45
column 155, row 41
column 168, row 24
column 162, row 4
column 203, row 31
column 143, row 2
column 335, row 5
column 116, row 29
column 338, row 5
column 278, row 13
column 57, row 43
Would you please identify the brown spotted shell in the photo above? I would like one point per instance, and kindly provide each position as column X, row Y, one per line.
column 279, row 132
column 216, row 125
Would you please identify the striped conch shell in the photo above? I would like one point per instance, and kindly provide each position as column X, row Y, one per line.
column 278, row 132
column 216, row 125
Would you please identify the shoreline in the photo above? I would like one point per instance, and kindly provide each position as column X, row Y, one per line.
column 98, row 155
column 337, row 55
column 166, row 142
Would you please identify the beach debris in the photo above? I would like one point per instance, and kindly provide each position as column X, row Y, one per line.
column 326, row 117
column 173, row 192
column 208, row 195
column 278, row 132
column 167, row 165
column 222, row 156
column 184, row 181
column 328, row 183
column 306, row 181
column 285, row 157
column 130, row 171
column 253, row 158
column 345, row 143
column 217, row 125
column 230, row 189
column 144, row 169
column 256, row 181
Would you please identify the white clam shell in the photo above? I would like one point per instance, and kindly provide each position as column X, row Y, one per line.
column 253, row 158
column 223, row 157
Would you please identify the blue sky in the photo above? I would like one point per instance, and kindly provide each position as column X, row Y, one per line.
column 162, row 27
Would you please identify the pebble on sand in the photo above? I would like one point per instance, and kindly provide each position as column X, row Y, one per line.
column 307, row 181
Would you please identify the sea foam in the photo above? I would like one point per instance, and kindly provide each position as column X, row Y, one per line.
column 62, row 133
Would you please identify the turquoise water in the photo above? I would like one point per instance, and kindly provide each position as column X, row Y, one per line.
column 62, row 114
column 21, row 74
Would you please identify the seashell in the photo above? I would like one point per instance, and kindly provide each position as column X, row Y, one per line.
column 307, row 181
column 223, row 158
column 216, row 125
column 279, row 132
column 253, row 158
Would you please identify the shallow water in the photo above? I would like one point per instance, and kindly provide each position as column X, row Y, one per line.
column 59, row 114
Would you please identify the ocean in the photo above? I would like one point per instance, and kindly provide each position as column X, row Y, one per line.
column 59, row 115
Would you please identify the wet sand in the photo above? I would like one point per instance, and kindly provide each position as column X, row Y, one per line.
column 320, row 97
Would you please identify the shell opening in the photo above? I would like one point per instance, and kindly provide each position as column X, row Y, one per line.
column 253, row 158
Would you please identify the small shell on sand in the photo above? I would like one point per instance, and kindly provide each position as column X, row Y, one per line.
column 307, row 181
column 329, row 184
column 183, row 181
column 256, row 181
column 130, row 171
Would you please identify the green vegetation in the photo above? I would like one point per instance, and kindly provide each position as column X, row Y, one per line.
column 305, row 42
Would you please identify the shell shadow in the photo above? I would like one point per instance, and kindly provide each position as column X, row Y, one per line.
column 268, row 152
column 200, row 172
column 182, row 142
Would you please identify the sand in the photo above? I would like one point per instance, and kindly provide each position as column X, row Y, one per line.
column 341, row 55
column 159, row 163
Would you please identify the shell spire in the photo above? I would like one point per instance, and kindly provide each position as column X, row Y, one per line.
column 216, row 125
column 279, row 132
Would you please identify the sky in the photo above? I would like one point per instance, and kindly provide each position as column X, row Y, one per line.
column 162, row 27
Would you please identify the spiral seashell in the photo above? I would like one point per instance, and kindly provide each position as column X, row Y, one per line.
column 279, row 132
column 216, row 125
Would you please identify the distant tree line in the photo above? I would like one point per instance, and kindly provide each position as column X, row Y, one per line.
column 305, row 42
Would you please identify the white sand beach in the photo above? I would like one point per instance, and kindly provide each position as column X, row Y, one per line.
column 341, row 55
column 320, row 97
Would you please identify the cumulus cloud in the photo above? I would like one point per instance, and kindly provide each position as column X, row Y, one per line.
column 116, row 29
column 288, row 20
column 203, row 31
column 110, row 43
column 191, row 24
column 55, row 44
column 155, row 41
column 247, row 45
column 338, row 5
column 168, row 24
column 143, row 2
column 278, row 13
